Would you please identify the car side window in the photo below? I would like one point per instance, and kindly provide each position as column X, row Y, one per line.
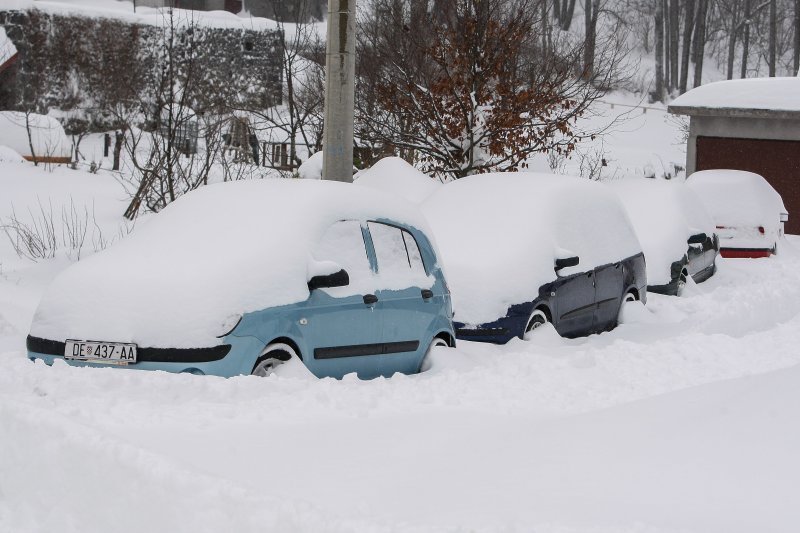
column 414, row 256
column 399, row 260
column 343, row 243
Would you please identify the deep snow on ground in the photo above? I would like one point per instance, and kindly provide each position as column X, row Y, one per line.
column 682, row 419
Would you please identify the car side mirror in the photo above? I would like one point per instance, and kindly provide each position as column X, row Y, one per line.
column 337, row 279
column 697, row 238
column 564, row 262
column 784, row 217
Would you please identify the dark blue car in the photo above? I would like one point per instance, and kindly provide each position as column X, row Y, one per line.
column 524, row 249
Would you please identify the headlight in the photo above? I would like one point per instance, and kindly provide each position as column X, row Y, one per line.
column 229, row 325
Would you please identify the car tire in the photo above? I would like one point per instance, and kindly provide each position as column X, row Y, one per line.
column 273, row 356
column 538, row 319
column 426, row 361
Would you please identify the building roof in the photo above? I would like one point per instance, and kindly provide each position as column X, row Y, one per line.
column 8, row 52
column 751, row 98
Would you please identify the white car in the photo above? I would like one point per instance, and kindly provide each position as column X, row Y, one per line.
column 748, row 213
column 676, row 232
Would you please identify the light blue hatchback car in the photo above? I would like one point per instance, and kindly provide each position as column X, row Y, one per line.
column 237, row 278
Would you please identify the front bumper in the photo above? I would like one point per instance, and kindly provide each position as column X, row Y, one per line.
column 234, row 357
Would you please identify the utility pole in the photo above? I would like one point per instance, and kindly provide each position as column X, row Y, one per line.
column 340, row 64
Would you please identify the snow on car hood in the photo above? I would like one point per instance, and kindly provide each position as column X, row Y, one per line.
column 184, row 277
column 664, row 214
column 499, row 236
column 395, row 176
column 736, row 198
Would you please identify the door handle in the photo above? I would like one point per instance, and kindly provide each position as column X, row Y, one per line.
column 427, row 294
column 370, row 299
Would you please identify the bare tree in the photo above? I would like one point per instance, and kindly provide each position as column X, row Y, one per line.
column 477, row 93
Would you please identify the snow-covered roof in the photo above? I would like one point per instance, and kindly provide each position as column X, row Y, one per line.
column 753, row 97
column 499, row 235
column 395, row 176
column 47, row 136
column 123, row 10
column 217, row 252
column 7, row 50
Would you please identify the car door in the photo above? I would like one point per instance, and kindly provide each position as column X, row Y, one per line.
column 405, row 299
column 575, row 304
column 608, row 281
column 340, row 325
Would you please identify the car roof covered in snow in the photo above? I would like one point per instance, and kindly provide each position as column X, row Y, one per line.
column 215, row 253
column 499, row 235
column 396, row 176
column 664, row 214
column 751, row 97
column 738, row 198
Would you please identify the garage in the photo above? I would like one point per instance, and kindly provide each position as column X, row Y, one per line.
column 751, row 124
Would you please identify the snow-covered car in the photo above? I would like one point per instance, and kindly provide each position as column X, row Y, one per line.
column 748, row 213
column 395, row 176
column 675, row 230
column 523, row 249
column 237, row 277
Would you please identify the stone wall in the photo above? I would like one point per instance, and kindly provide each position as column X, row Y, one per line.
column 90, row 66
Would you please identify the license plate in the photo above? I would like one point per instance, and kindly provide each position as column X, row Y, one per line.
column 116, row 353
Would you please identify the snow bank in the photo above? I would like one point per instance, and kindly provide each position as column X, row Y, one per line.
column 736, row 198
column 778, row 94
column 311, row 169
column 7, row 155
column 47, row 135
column 123, row 10
column 499, row 235
column 217, row 252
column 664, row 214
column 396, row 176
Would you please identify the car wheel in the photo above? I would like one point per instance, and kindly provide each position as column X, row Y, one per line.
column 537, row 320
column 630, row 297
column 271, row 358
column 426, row 361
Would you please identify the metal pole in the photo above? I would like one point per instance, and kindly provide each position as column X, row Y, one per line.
column 340, row 59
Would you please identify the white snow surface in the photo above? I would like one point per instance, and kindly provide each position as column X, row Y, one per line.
column 499, row 235
column 47, row 135
column 311, row 168
column 9, row 155
column 780, row 94
column 396, row 176
column 664, row 214
column 123, row 10
column 681, row 420
column 183, row 277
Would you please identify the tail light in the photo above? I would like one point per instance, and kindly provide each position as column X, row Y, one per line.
column 761, row 230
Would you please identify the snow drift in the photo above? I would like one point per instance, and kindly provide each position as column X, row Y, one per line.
column 47, row 137
column 395, row 176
